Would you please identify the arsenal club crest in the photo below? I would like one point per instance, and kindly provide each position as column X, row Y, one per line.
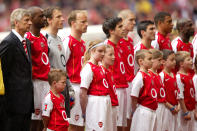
column 76, row 117
column 42, row 44
column 129, row 47
column 100, row 124
column 82, row 49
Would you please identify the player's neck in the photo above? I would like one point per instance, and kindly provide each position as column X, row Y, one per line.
column 93, row 61
column 183, row 71
column 146, row 43
column 52, row 31
column 143, row 69
column 153, row 70
column 184, row 38
column 162, row 32
column 76, row 34
column 53, row 90
column 105, row 65
column 35, row 31
column 168, row 71
column 114, row 39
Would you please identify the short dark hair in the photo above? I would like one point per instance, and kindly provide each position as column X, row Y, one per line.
column 160, row 17
column 143, row 26
column 48, row 12
column 166, row 53
column 110, row 24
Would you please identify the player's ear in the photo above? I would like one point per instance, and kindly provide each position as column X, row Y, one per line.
column 140, row 61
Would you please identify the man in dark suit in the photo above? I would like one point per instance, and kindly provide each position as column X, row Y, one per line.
column 15, row 54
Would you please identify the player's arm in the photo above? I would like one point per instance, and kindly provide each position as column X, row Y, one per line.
column 83, row 99
column 137, row 84
column 185, row 114
column 45, row 120
column 171, row 107
column 86, row 79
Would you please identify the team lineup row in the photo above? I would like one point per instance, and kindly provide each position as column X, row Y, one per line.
column 112, row 90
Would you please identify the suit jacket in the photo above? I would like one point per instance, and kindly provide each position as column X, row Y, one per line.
column 17, row 75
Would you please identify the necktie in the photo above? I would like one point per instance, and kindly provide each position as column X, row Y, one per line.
column 25, row 46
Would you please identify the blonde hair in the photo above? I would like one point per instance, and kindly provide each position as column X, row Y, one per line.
column 17, row 15
column 88, row 51
column 124, row 13
column 140, row 54
column 156, row 53
column 55, row 75
column 73, row 15
column 180, row 57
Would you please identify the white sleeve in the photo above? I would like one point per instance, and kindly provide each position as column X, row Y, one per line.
column 180, row 86
column 154, row 43
column 86, row 76
column 47, row 106
column 67, row 49
column 137, row 84
column 174, row 44
column 195, row 85
column 162, row 77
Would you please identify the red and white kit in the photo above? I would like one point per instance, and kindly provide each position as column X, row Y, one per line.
column 99, row 108
column 74, row 59
column 113, row 96
column 119, row 75
column 128, row 57
column 170, row 122
column 161, row 42
column 144, row 89
column 195, row 86
column 179, row 45
column 187, row 93
column 161, row 95
column 54, row 108
column 40, row 69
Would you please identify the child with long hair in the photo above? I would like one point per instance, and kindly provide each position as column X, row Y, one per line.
column 94, row 93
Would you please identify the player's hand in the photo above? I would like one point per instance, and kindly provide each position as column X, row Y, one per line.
column 37, row 111
column 176, row 110
column 187, row 117
column 195, row 115
column 44, row 129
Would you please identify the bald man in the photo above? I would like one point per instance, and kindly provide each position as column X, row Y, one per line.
column 126, row 45
column 40, row 64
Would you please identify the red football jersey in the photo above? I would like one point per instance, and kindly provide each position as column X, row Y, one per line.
column 58, row 118
column 161, row 95
column 112, row 87
column 181, row 46
column 128, row 57
column 161, row 42
column 75, row 60
column 99, row 85
column 188, row 91
column 39, row 55
column 145, row 89
column 170, row 87
column 118, row 69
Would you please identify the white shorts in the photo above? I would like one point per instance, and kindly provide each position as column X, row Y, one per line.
column 129, row 101
column 41, row 89
column 76, row 112
column 170, row 121
column 143, row 119
column 186, row 125
column 114, row 117
column 160, row 117
column 122, row 108
column 99, row 113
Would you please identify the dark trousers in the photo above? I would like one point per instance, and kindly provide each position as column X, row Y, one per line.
column 2, row 113
column 17, row 122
